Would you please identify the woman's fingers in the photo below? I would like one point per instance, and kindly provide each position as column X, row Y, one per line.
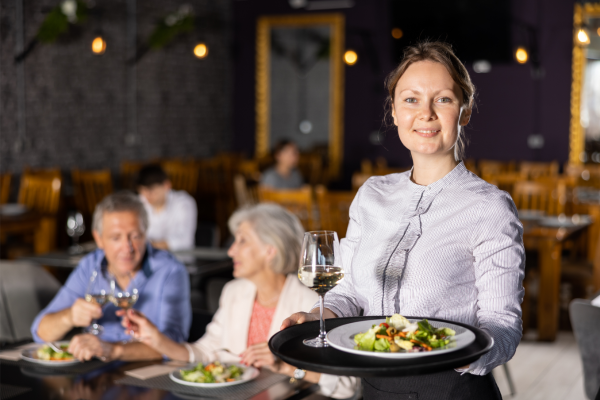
column 258, row 355
column 297, row 319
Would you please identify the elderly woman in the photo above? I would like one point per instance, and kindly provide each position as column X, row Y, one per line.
column 436, row 241
column 119, row 228
column 265, row 256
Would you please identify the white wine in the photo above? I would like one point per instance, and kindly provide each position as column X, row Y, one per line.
column 320, row 278
column 99, row 299
column 125, row 302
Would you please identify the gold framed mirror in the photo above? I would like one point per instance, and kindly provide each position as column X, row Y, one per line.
column 300, row 84
column 585, row 86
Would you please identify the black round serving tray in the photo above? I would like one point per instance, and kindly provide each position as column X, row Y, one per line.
column 288, row 346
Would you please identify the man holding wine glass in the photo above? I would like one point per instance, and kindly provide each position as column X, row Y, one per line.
column 124, row 272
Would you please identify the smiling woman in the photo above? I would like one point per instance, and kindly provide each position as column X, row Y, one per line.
column 436, row 241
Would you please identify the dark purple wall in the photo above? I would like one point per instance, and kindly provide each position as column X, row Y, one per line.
column 506, row 110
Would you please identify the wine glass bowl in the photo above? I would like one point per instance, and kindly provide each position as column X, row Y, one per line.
column 96, row 293
column 75, row 228
column 320, row 270
column 124, row 298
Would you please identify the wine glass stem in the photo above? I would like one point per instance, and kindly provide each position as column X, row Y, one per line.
column 322, row 321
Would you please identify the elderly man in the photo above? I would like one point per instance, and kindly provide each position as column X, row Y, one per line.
column 119, row 227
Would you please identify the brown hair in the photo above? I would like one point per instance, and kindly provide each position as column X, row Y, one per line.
column 442, row 53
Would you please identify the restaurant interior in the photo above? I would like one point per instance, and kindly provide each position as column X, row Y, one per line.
column 93, row 92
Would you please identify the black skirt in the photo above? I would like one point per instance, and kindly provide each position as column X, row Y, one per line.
column 447, row 385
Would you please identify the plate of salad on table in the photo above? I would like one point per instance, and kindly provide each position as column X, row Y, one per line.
column 397, row 337
column 44, row 355
column 214, row 375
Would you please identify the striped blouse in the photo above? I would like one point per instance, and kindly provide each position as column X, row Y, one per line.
column 450, row 250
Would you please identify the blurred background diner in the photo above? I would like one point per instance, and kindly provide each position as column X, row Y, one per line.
column 203, row 107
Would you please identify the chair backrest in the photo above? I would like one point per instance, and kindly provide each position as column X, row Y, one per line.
column 529, row 195
column 249, row 169
column 129, row 171
column 358, row 179
column 183, row 175
column 471, row 165
column 334, row 209
column 4, row 187
column 505, row 180
column 311, row 168
column 537, row 169
column 493, row 167
column 298, row 202
column 25, row 290
column 40, row 192
column 585, row 319
column 90, row 188
column 246, row 191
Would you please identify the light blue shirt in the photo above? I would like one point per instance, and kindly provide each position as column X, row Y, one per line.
column 164, row 295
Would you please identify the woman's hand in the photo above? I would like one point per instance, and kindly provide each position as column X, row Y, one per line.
column 297, row 319
column 302, row 317
column 140, row 327
column 258, row 355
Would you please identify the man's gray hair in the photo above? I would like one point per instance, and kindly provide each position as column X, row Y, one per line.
column 277, row 227
column 117, row 202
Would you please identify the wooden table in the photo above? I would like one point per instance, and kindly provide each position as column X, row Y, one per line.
column 549, row 244
column 21, row 224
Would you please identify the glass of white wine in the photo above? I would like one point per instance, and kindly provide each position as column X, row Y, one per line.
column 96, row 293
column 320, row 270
column 124, row 298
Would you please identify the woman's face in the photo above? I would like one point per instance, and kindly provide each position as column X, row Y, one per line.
column 288, row 156
column 428, row 109
column 250, row 255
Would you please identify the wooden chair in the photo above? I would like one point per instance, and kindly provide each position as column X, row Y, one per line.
column 41, row 193
column 358, row 179
column 538, row 169
column 492, row 167
column 4, row 187
column 366, row 166
column 584, row 175
column 129, row 171
column 183, row 175
column 334, row 209
column 550, row 198
column 249, row 169
column 299, row 202
column 311, row 168
column 246, row 191
column 505, row 181
column 90, row 188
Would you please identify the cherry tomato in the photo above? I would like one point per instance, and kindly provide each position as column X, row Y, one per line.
column 384, row 324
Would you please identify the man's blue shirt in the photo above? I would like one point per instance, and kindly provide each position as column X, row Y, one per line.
column 164, row 295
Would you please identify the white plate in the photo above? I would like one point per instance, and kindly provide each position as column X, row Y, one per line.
column 13, row 209
column 342, row 338
column 31, row 356
column 249, row 374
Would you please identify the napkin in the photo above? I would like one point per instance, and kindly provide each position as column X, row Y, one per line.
column 151, row 371
column 15, row 354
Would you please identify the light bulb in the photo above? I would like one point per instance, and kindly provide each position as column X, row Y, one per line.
column 397, row 33
column 98, row 45
column 583, row 37
column 521, row 55
column 200, row 50
column 350, row 57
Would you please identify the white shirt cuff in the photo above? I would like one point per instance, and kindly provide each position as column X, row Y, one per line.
column 327, row 384
column 192, row 355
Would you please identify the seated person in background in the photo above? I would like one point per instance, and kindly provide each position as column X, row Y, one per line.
column 119, row 227
column 284, row 174
column 172, row 213
column 265, row 256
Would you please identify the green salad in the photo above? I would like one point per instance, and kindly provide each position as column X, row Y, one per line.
column 212, row 373
column 47, row 354
column 397, row 334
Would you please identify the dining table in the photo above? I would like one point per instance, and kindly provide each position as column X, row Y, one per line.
column 548, row 241
column 20, row 380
